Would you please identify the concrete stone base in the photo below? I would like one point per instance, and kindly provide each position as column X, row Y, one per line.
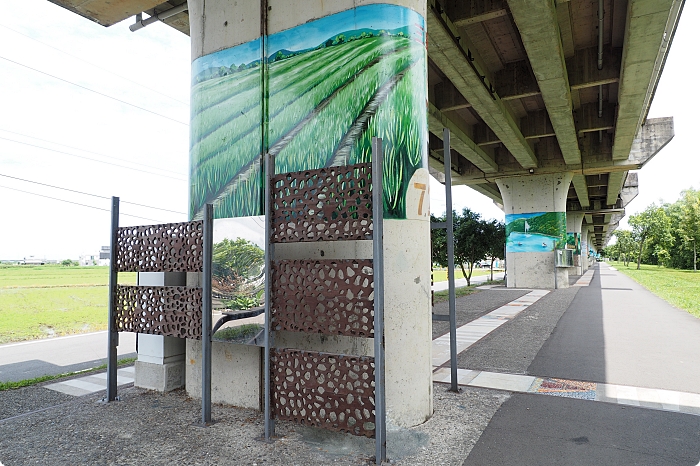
column 535, row 270
column 160, row 377
column 236, row 374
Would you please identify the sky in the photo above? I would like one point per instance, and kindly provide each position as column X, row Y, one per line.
column 105, row 112
column 312, row 34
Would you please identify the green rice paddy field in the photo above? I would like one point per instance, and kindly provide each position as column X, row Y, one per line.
column 44, row 301
column 314, row 100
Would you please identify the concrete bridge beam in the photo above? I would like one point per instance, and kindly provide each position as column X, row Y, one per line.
column 539, row 30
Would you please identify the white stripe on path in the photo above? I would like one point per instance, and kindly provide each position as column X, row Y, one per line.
column 585, row 279
column 650, row 398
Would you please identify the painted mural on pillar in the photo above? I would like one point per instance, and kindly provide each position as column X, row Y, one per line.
column 573, row 241
column 535, row 232
column 314, row 99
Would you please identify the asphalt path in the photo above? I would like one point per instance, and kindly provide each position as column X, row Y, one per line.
column 613, row 331
column 51, row 356
column 616, row 331
column 548, row 430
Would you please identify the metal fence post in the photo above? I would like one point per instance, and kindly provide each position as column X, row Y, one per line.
column 208, row 233
column 447, row 155
column 378, row 266
column 112, row 332
column 554, row 248
column 269, row 254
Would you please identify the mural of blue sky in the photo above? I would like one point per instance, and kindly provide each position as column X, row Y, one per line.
column 378, row 16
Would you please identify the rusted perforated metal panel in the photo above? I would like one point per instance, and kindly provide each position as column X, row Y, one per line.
column 330, row 204
column 330, row 391
column 171, row 247
column 333, row 297
column 173, row 311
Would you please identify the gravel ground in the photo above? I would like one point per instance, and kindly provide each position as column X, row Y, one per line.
column 474, row 306
column 23, row 400
column 512, row 347
column 147, row 427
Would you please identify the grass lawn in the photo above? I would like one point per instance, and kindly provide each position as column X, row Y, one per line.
column 44, row 301
column 681, row 288
column 444, row 296
column 441, row 275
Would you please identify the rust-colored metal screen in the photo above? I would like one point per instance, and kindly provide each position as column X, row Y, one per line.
column 172, row 311
column 330, row 391
column 333, row 297
column 171, row 247
column 330, row 204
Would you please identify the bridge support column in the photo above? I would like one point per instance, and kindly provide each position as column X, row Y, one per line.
column 574, row 240
column 161, row 360
column 311, row 83
column 585, row 261
column 535, row 208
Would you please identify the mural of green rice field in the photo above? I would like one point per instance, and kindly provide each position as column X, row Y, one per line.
column 329, row 86
column 536, row 232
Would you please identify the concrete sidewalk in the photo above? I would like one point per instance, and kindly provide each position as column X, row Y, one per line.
column 610, row 343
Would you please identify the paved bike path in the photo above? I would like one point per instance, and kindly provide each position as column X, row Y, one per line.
column 613, row 332
column 616, row 331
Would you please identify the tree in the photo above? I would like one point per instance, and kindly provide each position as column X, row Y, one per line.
column 470, row 245
column 234, row 262
column 651, row 225
column 69, row 263
column 625, row 245
column 495, row 237
column 689, row 225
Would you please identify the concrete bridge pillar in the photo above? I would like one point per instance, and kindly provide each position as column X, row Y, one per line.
column 584, row 248
column 312, row 82
column 574, row 240
column 535, row 208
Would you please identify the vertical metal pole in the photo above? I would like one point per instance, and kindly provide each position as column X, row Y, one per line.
column 206, row 312
column 554, row 247
column 450, row 258
column 112, row 333
column 378, row 266
column 269, row 168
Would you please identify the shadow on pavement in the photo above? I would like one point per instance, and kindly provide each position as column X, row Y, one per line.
column 576, row 348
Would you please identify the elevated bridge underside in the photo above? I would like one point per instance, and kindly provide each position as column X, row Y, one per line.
column 529, row 87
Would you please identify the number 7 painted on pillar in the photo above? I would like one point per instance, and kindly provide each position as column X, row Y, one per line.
column 422, row 187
